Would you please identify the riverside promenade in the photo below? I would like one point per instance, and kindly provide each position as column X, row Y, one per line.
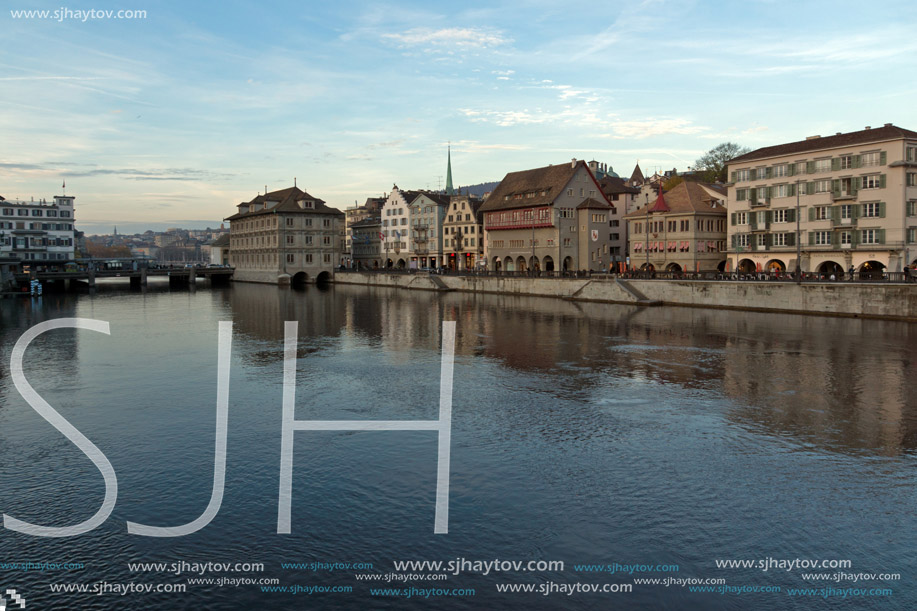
column 882, row 300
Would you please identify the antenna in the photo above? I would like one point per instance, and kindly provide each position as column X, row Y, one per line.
column 294, row 181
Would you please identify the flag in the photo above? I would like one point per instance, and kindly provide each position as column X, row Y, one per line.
column 397, row 234
column 381, row 236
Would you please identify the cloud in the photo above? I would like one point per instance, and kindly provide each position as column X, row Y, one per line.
column 651, row 127
column 444, row 38
column 88, row 170
column 581, row 116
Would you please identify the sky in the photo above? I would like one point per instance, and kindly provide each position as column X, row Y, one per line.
column 174, row 118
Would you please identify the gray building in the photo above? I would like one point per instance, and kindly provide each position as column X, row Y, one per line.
column 37, row 232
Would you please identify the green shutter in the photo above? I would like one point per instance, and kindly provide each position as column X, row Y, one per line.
column 854, row 238
column 835, row 164
column 790, row 190
column 733, row 175
column 768, row 240
column 880, row 236
column 751, row 174
column 835, row 213
column 882, row 179
column 811, row 238
column 770, row 217
column 835, row 238
column 811, row 214
column 883, row 157
column 791, row 239
column 810, row 167
column 856, row 184
column 856, row 161
column 753, row 195
column 836, row 187
column 791, row 216
column 882, row 210
column 810, row 188
column 769, row 172
column 791, row 169
column 734, row 236
column 768, row 191
column 854, row 211
column 733, row 222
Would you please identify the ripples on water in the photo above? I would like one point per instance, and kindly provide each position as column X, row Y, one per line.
column 586, row 433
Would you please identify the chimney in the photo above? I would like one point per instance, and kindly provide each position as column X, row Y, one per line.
column 888, row 125
column 868, row 127
column 573, row 162
column 814, row 137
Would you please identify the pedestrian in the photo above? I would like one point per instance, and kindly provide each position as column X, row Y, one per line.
column 850, row 272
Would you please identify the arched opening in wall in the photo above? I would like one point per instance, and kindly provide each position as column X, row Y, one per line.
column 673, row 267
column 548, row 264
column 871, row 270
column 568, row 264
column 721, row 266
column 299, row 280
column 376, row 264
column 401, row 264
column 534, row 264
column 831, row 267
column 775, row 265
column 389, row 264
column 520, row 264
column 498, row 265
column 509, row 264
column 648, row 267
column 746, row 266
column 323, row 278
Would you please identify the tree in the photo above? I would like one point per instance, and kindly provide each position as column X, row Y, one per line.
column 713, row 163
column 672, row 182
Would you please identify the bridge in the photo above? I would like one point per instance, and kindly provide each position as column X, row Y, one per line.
column 178, row 276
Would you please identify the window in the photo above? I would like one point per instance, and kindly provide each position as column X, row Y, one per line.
column 822, row 238
column 846, row 238
column 570, row 192
column 290, row 258
column 741, row 218
column 911, row 153
column 873, row 182
column 741, row 175
column 821, row 213
column 309, row 258
column 912, row 208
column 822, row 186
column 327, row 258
column 800, row 167
column 308, row 240
column 289, row 239
column 741, row 195
column 911, row 179
column 780, row 170
column 762, row 240
column 870, row 159
column 822, row 165
column 741, row 239
column 566, row 242
column 847, row 211
column 780, row 239
column 780, row 191
column 870, row 236
column 872, row 209
column 36, row 212
column 780, row 216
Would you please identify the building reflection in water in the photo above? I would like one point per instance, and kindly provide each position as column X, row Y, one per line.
column 834, row 383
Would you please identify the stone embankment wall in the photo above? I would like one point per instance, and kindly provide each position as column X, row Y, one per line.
column 890, row 301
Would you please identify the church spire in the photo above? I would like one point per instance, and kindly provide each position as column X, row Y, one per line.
column 449, row 189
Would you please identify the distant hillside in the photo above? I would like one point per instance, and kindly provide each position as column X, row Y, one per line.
column 478, row 189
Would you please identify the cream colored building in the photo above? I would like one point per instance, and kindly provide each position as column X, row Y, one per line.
column 683, row 230
column 285, row 236
column 463, row 233
column 855, row 194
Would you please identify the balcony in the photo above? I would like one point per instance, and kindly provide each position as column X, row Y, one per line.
column 759, row 203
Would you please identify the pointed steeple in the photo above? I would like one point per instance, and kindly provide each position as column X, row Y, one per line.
column 660, row 205
column 449, row 189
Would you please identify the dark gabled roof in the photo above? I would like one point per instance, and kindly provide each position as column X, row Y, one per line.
column 440, row 198
column 546, row 183
column 593, row 203
column 223, row 240
column 865, row 136
column 612, row 185
column 684, row 198
column 370, row 222
column 287, row 199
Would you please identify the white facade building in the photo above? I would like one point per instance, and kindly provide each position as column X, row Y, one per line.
column 37, row 232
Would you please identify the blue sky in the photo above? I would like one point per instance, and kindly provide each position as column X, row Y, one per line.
column 175, row 118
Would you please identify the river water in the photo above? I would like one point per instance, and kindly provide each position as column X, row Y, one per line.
column 590, row 434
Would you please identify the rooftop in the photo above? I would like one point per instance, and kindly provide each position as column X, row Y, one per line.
column 818, row 143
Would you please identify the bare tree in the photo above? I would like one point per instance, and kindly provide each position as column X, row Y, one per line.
column 713, row 162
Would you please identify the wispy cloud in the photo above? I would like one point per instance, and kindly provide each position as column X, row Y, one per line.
column 647, row 128
column 446, row 38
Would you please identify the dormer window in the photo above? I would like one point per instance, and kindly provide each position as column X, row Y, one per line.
column 306, row 204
